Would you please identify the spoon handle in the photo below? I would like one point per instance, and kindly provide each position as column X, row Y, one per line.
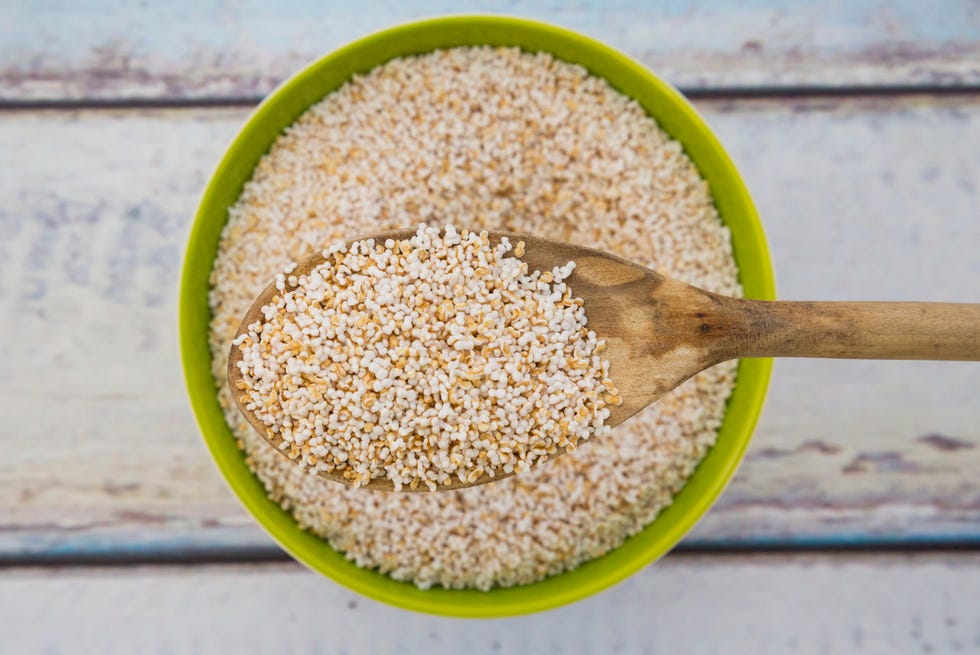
column 856, row 330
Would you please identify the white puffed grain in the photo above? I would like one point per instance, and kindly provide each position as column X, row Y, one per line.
column 487, row 138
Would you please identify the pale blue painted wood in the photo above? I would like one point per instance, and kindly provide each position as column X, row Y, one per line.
column 696, row 605
column 105, row 49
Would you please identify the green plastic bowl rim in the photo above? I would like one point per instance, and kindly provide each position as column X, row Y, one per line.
column 278, row 110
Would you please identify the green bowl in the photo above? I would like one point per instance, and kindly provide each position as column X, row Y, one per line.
column 281, row 108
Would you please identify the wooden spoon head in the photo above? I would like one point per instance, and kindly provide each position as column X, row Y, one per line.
column 658, row 331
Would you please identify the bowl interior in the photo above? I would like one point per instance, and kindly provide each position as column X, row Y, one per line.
column 676, row 117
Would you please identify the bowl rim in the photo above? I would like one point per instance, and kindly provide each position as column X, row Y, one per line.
column 589, row 578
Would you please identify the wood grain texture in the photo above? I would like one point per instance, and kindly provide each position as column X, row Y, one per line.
column 860, row 198
column 685, row 604
column 852, row 330
column 212, row 49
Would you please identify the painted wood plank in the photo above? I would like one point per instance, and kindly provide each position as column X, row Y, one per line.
column 685, row 604
column 862, row 199
column 206, row 49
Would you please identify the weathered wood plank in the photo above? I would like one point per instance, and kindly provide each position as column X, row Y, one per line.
column 862, row 199
column 101, row 49
column 684, row 604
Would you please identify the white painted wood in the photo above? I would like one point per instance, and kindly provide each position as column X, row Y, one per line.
column 862, row 199
column 100, row 49
column 699, row 605
column 94, row 210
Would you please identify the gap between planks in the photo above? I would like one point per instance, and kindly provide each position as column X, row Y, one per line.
column 694, row 93
column 200, row 555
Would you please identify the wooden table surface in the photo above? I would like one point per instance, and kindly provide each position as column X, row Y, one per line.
column 854, row 523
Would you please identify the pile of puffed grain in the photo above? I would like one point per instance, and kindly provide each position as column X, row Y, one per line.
column 428, row 361
column 487, row 138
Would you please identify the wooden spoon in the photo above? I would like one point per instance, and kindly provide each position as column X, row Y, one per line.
column 661, row 331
